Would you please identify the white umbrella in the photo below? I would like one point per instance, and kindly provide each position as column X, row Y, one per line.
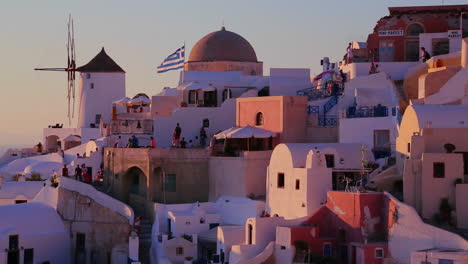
column 140, row 101
column 123, row 101
column 72, row 138
column 193, row 86
column 245, row 132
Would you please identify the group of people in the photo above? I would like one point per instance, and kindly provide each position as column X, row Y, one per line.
column 198, row 142
column 81, row 173
column 132, row 142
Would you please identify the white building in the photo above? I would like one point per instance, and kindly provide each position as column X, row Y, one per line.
column 13, row 192
column 299, row 175
column 33, row 233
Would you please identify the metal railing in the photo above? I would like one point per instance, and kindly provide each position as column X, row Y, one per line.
column 132, row 127
column 376, row 111
column 322, row 91
column 327, row 121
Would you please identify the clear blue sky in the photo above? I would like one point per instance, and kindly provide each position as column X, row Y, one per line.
column 140, row 34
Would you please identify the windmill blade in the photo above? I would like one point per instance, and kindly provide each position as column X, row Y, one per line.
column 50, row 69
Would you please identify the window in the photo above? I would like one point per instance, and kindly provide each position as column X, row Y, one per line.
column 187, row 222
column 192, row 97
column 259, row 119
column 20, row 201
column 213, row 225
column 250, row 238
column 412, row 50
column 280, row 180
column 379, row 253
column 202, row 220
column 327, row 249
column 91, row 85
column 381, row 139
column 170, row 184
column 265, row 91
column 414, row 30
column 206, row 122
column 29, row 256
column 88, row 76
column 440, row 46
column 330, row 160
column 98, row 119
column 283, row 247
column 439, row 170
column 408, row 147
column 179, row 251
column 298, row 184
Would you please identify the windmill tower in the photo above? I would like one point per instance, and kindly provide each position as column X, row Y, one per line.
column 101, row 82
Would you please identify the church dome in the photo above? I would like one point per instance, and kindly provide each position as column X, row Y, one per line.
column 222, row 45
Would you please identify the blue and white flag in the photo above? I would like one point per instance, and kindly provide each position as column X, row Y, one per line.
column 174, row 61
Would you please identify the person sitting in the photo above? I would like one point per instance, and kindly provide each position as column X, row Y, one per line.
column 424, row 54
column 183, row 143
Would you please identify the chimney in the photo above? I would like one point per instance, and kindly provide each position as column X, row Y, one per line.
column 464, row 52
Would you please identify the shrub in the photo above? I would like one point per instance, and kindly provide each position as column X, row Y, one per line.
column 35, row 176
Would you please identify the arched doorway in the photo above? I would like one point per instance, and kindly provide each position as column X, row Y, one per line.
column 51, row 143
column 134, row 188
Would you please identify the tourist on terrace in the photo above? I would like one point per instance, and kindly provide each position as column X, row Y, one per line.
column 65, row 170
column 196, row 142
column 39, row 147
column 202, row 137
column 177, row 133
column 373, row 68
column 190, row 144
column 424, row 54
column 135, row 142
column 129, row 143
column 78, row 172
column 153, row 142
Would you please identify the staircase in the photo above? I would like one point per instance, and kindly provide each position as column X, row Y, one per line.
column 145, row 241
column 300, row 257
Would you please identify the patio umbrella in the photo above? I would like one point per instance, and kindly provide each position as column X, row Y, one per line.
column 123, row 101
column 140, row 101
column 245, row 132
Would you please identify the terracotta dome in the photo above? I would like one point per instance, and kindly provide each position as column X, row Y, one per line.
column 222, row 45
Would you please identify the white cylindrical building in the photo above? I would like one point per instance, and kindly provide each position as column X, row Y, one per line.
column 101, row 82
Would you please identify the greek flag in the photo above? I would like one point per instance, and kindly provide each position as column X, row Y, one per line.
column 174, row 61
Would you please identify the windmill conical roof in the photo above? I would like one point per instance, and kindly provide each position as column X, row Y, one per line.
column 101, row 63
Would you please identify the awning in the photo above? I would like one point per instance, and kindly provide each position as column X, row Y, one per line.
column 245, row 132
column 123, row 101
column 140, row 101
column 195, row 86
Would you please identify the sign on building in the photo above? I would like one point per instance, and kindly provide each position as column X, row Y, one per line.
column 454, row 34
column 391, row 33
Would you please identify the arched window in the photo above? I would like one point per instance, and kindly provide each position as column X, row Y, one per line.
column 259, row 119
column 414, row 30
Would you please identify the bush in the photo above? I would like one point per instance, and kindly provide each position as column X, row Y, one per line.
column 16, row 176
column 35, row 176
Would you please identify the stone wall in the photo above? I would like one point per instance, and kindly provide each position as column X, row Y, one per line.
column 103, row 228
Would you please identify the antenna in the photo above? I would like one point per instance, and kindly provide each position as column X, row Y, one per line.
column 70, row 68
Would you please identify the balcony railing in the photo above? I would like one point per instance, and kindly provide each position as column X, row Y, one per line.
column 328, row 121
column 132, row 127
column 376, row 111
column 322, row 91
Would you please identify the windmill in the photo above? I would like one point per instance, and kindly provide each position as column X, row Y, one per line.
column 70, row 69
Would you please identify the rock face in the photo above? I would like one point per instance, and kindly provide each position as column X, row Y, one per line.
column 94, row 229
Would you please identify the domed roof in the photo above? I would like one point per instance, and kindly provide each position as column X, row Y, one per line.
column 222, row 45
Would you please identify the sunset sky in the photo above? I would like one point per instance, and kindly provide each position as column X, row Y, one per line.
column 138, row 35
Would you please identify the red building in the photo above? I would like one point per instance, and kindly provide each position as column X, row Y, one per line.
column 351, row 227
column 396, row 36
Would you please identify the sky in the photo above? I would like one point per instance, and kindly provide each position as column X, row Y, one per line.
column 139, row 35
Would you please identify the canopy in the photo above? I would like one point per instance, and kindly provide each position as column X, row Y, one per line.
column 140, row 101
column 193, row 86
column 72, row 138
column 245, row 132
column 123, row 101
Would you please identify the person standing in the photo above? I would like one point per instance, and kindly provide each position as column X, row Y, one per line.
column 134, row 141
column 78, row 173
column 65, row 170
column 424, row 54
column 177, row 133
column 183, row 143
column 202, row 137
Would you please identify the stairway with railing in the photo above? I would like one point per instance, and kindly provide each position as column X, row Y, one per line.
column 330, row 90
